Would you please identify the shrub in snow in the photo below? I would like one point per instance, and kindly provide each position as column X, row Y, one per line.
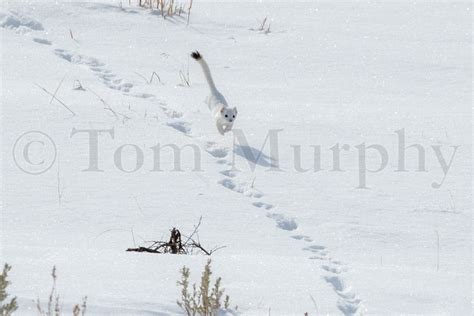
column 54, row 305
column 6, row 309
column 202, row 301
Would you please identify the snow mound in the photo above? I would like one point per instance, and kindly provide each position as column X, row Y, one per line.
column 20, row 23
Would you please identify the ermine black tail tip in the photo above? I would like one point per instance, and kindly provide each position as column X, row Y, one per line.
column 196, row 55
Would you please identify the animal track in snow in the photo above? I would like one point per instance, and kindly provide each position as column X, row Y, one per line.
column 228, row 173
column 320, row 250
column 106, row 76
column 335, row 261
column 349, row 306
column 336, row 282
column 348, row 302
column 217, row 152
column 315, row 248
column 283, row 222
column 318, row 257
column 229, row 184
column 171, row 113
column 336, row 269
column 181, row 126
column 223, row 162
column 240, row 188
column 302, row 237
column 142, row 95
column 42, row 41
column 262, row 205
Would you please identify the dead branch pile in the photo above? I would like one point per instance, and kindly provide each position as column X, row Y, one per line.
column 175, row 245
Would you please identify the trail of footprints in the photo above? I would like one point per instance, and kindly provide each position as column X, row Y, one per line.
column 97, row 67
column 106, row 76
column 348, row 302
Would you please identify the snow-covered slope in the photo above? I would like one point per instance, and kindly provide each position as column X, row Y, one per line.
column 328, row 75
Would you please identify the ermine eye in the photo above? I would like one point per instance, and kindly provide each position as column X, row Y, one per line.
column 226, row 115
column 233, row 116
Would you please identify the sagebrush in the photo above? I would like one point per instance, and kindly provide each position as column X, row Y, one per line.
column 168, row 7
column 7, row 306
column 203, row 300
column 53, row 307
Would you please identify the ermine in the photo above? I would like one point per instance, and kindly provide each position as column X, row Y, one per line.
column 223, row 115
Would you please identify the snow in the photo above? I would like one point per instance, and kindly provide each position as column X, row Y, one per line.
column 328, row 75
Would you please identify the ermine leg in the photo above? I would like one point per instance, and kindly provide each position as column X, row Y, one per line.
column 220, row 129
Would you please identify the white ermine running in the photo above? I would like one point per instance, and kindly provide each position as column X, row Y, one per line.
column 223, row 115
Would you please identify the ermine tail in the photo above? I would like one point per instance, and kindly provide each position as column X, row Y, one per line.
column 205, row 69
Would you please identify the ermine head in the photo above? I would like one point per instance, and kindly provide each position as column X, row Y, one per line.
column 228, row 115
